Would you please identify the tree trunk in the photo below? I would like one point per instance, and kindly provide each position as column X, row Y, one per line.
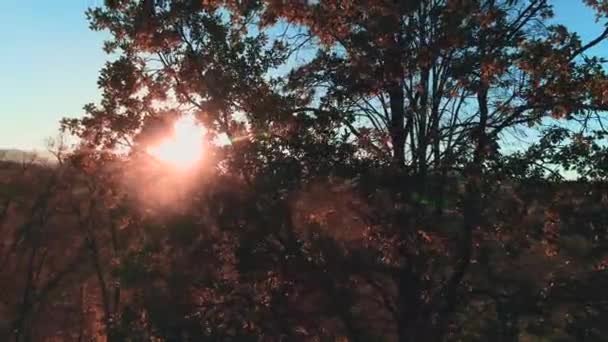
column 472, row 209
column 19, row 325
column 397, row 129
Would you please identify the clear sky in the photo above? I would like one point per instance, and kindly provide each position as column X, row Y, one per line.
column 49, row 62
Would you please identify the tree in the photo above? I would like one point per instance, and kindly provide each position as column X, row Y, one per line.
column 439, row 73
column 404, row 100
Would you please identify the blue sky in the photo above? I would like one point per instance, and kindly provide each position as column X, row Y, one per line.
column 49, row 62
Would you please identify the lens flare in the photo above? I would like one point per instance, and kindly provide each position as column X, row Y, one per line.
column 184, row 148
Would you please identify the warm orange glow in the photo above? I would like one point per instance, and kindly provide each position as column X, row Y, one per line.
column 184, row 147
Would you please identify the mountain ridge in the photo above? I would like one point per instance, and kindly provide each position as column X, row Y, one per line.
column 20, row 155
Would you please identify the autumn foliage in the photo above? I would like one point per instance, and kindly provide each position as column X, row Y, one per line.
column 368, row 190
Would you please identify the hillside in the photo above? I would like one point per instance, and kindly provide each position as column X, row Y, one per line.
column 17, row 155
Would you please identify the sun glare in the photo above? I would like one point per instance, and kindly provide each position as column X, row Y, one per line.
column 184, row 147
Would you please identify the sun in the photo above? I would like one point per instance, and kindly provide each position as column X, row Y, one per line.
column 182, row 149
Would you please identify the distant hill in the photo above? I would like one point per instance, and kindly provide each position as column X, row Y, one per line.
column 15, row 155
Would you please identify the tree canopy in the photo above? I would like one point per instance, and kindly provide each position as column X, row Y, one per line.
column 365, row 192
